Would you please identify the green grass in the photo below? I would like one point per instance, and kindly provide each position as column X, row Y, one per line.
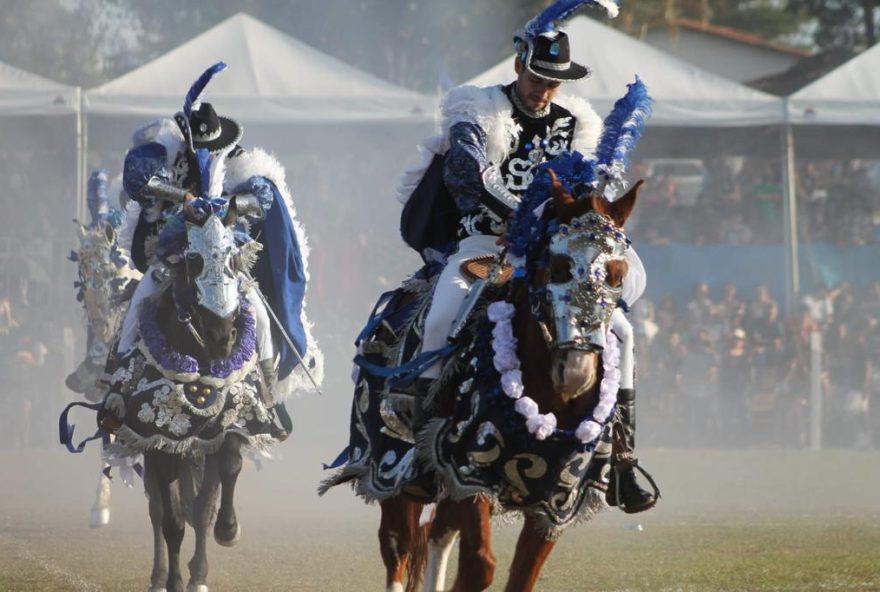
column 703, row 555
column 729, row 521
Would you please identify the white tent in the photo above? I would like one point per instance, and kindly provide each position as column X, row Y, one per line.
column 834, row 117
column 848, row 95
column 685, row 95
column 40, row 153
column 23, row 93
column 272, row 78
column 342, row 136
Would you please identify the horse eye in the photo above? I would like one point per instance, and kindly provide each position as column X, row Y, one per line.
column 194, row 263
column 614, row 274
column 560, row 269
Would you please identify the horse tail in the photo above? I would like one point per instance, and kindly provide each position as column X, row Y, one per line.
column 418, row 558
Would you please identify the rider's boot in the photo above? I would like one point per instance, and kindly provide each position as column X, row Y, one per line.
column 623, row 488
column 269, row 369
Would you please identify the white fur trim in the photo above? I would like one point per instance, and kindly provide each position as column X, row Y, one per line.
column 490, row 108
column 610, row 7
column 589, row 125
column 412, row 176
column 258, row 162
column 162, row 131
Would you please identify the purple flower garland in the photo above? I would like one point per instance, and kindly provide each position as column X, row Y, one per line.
column 171, row 359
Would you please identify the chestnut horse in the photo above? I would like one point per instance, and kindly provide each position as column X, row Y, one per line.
column 561, row 380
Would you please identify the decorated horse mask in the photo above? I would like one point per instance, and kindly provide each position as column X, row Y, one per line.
column 101, row 274
column 210, row 256
column 579, row 294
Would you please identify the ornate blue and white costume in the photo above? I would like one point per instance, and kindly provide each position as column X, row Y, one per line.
column 491, row 145
column 158, row 152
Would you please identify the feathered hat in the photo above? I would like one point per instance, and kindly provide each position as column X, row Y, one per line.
column 544, row 49
column 203, row 127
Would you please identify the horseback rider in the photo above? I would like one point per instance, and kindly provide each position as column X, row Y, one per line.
column 492, row 139
column 161, row 171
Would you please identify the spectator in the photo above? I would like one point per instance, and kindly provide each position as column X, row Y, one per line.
column 734, row 384
column 763, row 316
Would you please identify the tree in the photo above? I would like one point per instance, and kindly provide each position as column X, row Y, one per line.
column 766, row 18
column 851, row 24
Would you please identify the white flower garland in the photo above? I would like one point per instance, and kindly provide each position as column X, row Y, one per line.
column 542, row 425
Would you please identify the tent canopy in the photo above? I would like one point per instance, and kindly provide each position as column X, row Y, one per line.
column 272, row 78
column 848, row 95
column 23, row 93
column 685, row 95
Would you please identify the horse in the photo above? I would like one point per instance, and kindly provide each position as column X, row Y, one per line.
column 405, row 462
column 191, row 395
column 105, row 281
column 563, row 376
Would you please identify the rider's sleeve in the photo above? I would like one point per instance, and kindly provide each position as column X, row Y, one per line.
column 469, row 175
column 143, row 163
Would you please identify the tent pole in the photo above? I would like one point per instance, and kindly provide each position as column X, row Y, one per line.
column 80, row 158
column 789, row 209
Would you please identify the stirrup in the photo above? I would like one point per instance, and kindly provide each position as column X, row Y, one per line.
column 622, row 454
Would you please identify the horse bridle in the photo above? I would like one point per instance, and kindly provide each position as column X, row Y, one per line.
column 581, row 305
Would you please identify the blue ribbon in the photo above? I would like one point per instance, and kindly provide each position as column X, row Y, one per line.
column 208, row 206
column 338, row 461
column 376, row 318
column 65, row 429
column 409, row 371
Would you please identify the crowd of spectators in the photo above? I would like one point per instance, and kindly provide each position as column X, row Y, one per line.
column 731, row 372
column 739, row 202
column 32, row 362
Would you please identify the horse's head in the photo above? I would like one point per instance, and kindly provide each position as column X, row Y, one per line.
column 583, row 283
column 103, row 272
column 206, row 285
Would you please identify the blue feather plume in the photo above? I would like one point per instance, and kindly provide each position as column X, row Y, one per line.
column 562, row 10
column 622, row 129
column 203, row 157
column 198, row 87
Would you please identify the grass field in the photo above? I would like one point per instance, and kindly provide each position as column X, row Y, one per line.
column 744, row 521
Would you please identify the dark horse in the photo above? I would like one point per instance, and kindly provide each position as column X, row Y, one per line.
column 190, row 395
column 474, row 448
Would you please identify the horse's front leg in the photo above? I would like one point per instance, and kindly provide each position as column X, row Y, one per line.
column 444, row 533
column 154, row 498
column 164, row 468
column 476, row 562
column 203, row 510
column 100, row 515
column 226, row 530
column 532, row 550
column 399, row 534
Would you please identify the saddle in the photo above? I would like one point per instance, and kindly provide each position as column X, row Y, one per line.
column 483, row 268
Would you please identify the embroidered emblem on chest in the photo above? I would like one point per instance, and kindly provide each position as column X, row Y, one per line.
column 518, row 169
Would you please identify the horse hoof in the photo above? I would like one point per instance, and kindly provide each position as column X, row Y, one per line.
column 228, row 541
column 197, row 588
column 152, row 589
column 99, row 518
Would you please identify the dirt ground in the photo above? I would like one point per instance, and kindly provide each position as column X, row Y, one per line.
column 728, row 520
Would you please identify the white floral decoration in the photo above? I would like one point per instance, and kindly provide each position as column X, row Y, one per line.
column 146, row 414
column 507, row 364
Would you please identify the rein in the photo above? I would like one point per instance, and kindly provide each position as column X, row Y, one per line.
column 184, row 314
